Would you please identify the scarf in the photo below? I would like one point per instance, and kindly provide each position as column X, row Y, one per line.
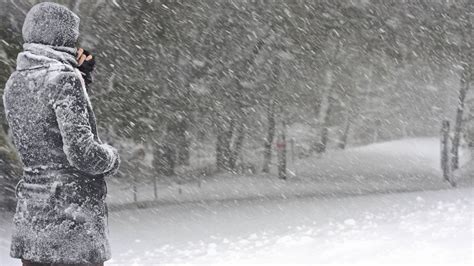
column 36, row 55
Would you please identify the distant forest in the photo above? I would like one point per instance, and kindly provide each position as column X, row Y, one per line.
column 226, row 81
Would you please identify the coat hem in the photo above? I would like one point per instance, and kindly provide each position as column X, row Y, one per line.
column 21, row 257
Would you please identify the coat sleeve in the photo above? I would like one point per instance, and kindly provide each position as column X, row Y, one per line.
column 79, row 144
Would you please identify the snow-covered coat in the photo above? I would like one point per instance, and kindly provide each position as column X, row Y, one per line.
column 61, row 214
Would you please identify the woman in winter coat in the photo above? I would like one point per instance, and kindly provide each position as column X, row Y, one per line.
column 61, row 215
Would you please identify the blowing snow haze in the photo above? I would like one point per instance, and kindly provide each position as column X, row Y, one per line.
column 252, row 131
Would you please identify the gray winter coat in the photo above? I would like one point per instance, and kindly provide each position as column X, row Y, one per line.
column 61, row 215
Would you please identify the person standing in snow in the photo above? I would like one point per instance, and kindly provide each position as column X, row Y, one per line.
column 61, row 214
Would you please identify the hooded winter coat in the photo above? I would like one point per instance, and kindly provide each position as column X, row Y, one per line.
column 61, row 214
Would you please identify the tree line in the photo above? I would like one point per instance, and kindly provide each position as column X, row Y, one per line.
column 232, row 77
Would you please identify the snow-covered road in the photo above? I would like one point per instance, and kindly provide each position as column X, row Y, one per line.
column 416, row 227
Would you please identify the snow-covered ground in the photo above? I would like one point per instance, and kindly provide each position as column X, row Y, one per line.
column 346, row 207
column 416, row 227
column 395, row 166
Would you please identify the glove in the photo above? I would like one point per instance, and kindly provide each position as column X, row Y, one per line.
column 86, row 65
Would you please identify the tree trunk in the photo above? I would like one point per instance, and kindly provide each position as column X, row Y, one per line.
column 164, row 159
column 324, row 111
column 236, row 150
column 155, row 188
column 345, row 132
column 223, row 147
column 10, row 170
column 220, row 143
column 281, row 146
column 469, row 121
column 182, row 145
column 267, row 146
column 322, row 147
column 445, row 154
column 459, row 118
column 134, row 189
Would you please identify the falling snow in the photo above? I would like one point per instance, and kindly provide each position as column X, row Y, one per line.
column 237, row 131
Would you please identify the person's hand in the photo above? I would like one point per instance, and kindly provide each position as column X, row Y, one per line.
column 83, row 55
column 86, row 64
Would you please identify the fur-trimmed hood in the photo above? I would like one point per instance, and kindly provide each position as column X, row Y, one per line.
column 51, row 24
